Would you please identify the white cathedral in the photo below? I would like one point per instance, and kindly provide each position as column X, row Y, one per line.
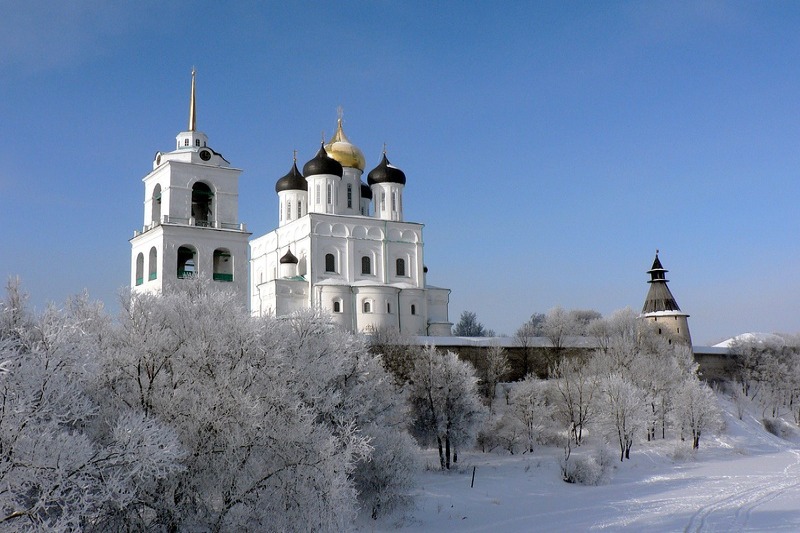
column 341, row 244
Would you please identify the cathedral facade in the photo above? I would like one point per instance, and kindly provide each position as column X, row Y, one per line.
column 341, row 245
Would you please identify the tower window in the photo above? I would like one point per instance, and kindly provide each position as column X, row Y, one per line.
column 186, row 262
column 337, row 307
column 153, row 264
column 330, row 263
column 383, row 201
column 413, row 309
column 367, row 307
column 349, row 196
column 317, row 196
column 366, row 265
column 139, row 269
column 388, row 308
column 401, row 267
column 328, row 195
column 288, row 210
column 299, row 209
column 223, row 265
column 197, row 142
column 201, row 203
column 394, row 201
column 186, row 142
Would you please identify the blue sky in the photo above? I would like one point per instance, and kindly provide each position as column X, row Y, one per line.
column 550, row 147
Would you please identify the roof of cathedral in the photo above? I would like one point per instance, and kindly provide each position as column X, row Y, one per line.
column 342, row 150
column 366, row 192
column 322, row 164
column 292, row 181
column 385, row 172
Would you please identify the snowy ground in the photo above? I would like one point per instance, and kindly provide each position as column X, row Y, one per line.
column 742, row 480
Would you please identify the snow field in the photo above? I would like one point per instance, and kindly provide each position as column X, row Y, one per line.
column 742, row 480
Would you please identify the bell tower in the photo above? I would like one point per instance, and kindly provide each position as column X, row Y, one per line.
column 191, row 209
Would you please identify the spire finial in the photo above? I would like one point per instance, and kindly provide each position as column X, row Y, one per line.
column 294, row 156
column 656, row 251
column 323, row 137
column 339, row 114
column 384, row 148
column 192, row 111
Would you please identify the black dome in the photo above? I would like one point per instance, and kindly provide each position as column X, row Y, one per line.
column 288, row 257
column 293, row 181
column 322, row 164
column 366, row 192
column 386, row 173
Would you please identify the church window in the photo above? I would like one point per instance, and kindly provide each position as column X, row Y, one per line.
column 201, row 204
column 394, row 201
column 366, row 265
column 328, row 198
column 139, row 269
column 401, row 267
column 367, row 307
column 186, row 142
column 186, row 262
column 153, row 264
column 399, row 202
column 299, row 209
column 659, row 331
column 388, row 308
column 330, row 263
column 288, row 210
column 155, row 205
column 413, row 309
column 349, row 196
column 383, row 201
column 337, row 307
column 317, row 200
column 223, row 265
column 197, row 142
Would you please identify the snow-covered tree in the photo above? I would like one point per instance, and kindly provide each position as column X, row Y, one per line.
column 529, row 404
column 624, row 412
column 58, row 471
column 496, row 367
column 574, row 389
column 696, row 410
column 445, row 401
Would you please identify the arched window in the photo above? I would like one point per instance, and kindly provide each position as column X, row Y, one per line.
column 413, row 309
column 389, row 308
column 349, row 196
column 186, row 262
column 153, row 264
column 139, row 269
column 223, row 265
column 155, row 206
column 201, row 204
column 401, row 267
column 367, row 306
column 330, row 263
column 337, row 307
column 366, row 265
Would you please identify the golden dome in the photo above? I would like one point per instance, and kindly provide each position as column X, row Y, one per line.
column 343, row 151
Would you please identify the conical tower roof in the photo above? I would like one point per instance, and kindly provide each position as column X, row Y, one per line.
column 659, row 298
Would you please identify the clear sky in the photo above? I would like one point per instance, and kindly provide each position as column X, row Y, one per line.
column 550, row 147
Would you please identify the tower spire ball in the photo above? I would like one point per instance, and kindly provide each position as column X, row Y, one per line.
column 192, row 110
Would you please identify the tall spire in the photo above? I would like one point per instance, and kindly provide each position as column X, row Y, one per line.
column 192, row 111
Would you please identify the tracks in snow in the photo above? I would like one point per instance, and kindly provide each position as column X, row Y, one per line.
column 749, row 493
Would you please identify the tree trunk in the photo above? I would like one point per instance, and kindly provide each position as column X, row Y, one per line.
column 441, row 453
column 447, row 449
